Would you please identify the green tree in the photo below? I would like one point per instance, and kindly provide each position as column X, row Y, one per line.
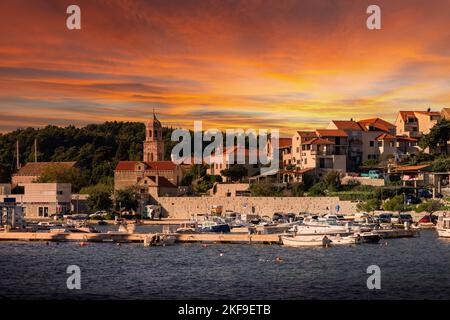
column 332, row 181
column 235, row 172
column 429, row 206
column 207, row 183
column 369, row 206
column 298, row 189
column 99, row 200
column 441, row 165
column 265, row 190
column 63, row 175
column 317, row 190
column 437, row 137
column 395, row 204
column 127, row 198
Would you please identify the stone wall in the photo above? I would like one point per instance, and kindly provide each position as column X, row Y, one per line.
column 186, row 207
column 366, row 181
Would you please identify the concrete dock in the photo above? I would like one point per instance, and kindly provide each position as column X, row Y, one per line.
column 138, row 237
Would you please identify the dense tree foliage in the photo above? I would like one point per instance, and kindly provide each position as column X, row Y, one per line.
column 369, row 205
column 395, row 204
column 96, row 147
column 75, row 176
column 437, row 137
column 235, row 172
column 127, row 199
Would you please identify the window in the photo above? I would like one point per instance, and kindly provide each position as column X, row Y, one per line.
column 306, row 160
column 371, row 143
column 298, row 149
column 380, row 143
column 43, row 211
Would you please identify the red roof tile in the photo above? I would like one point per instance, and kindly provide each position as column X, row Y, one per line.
column 162, row 182
column 377, row 123
column 347, row 125
column 405, row 138
column 385, row 136
column 413, row 168
column 318, row 141
column 151, row 165
column 405, row 114
column 284, row 142
column 331, row 133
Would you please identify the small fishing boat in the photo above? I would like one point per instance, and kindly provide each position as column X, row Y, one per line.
column 345, row 240
column 443, row 227
column 306, row 241
column 214, row 224
column 159, row 240
column 187, row 227
column 370, row 237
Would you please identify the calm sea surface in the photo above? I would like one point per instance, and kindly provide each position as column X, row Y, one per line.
column 415, row 268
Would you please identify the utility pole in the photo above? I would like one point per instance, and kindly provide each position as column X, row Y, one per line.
column 35, row 150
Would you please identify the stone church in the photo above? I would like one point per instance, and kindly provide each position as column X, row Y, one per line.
column 153, row 175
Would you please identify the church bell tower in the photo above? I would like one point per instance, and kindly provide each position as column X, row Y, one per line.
column 154, row 143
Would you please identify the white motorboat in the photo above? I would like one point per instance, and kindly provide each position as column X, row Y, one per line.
column 345, row 240
column 307, row 229
column 443, row 227
column 306, row 241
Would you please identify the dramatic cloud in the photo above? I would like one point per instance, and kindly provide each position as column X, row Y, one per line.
column 264, row 64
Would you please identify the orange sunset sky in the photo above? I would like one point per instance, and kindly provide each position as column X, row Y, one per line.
column 261, row 64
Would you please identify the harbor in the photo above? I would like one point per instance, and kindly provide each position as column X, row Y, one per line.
column 37, row 270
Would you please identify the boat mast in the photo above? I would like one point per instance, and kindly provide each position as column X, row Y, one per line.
column 17, row 155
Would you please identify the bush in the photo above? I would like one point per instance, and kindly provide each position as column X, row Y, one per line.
column 266, row 190
column 395, row 204
column 332, row 181
column 429, row 206
column 369, row 206
column 317, row 190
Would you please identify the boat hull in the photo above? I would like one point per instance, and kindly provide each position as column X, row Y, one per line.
column 220, row 228
column 305, row 241
column 444, row 233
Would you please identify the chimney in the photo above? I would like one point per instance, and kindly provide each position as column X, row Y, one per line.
column 429, row 109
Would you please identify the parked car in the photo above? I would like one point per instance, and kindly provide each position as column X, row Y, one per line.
column 277, row 216
column 373, row 174
column 395, row 218
column 424, row 193
column 406, row 218
column 411, row 199
column 384, row 218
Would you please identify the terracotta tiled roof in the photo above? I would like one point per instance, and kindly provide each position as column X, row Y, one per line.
column 298, row 171
column 331, row 133
column 307, row 134
column 405, row 114
column 385, row 136
column 284, row 142
column 151, row 165
column 162, row 182
column 318, row 141
column 405, row 138
column 37, row 168
column 414, row 168
column 347, row 125
column 428, row 113
column 377, row 123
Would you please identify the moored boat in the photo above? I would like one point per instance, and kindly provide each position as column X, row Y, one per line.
column 306, row 241
column 345, row 240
